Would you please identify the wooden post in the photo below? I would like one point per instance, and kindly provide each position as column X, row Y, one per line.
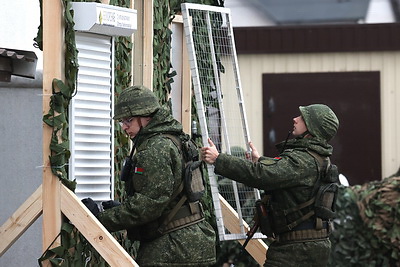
column 185, row 83
column 142, row 60
column 186, row 90
column 53, row 62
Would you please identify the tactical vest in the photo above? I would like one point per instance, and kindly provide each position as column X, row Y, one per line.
column 188, row 209
column 322, row 205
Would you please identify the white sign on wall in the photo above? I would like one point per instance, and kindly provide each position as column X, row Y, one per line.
column 104, row 19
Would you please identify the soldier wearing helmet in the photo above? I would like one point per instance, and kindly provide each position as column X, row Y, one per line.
column 299, row 233
column 155, row 186
column 320, row 120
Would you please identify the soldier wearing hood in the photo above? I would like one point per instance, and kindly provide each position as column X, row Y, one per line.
column 167, row 238
column 300, row 234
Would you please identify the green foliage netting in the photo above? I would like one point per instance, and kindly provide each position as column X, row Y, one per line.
column 367, row 230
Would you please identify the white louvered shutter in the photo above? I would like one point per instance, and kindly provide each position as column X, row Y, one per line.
column 91, row 126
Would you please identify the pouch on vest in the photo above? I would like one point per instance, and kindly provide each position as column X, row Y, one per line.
column 332, row 174
column 193, row 173
column 325, row 198
column 127, row 170
column 325, row 201
column 264, row 216
column 327, row 188
column 194, row 181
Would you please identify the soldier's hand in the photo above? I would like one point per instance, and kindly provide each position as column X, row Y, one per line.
column 209, row 154
column 254, row 153
column 110, row 204
column 91, row 205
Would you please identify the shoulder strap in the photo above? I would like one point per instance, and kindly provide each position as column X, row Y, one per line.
column 300, row 220
column 323, row 162
column 178, row 143
column 323, row 166
column 176, row 140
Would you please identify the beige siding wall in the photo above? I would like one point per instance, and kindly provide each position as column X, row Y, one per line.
column 388, row 63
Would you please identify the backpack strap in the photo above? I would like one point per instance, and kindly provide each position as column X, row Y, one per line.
column 323, row 162
column 176, row 140
column 323, row 167
column 292, row 225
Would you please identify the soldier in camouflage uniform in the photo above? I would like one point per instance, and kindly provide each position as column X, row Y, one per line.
column 157, row 175
column 289, row 179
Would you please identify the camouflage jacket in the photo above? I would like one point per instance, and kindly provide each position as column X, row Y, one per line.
column 158, row 174
column 289, row 177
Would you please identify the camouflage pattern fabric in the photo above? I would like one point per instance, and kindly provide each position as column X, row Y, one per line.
column 378, row 203
column 320, row 120
column 367, row 226
column 135, row 101
column 310, row 254
column 290, row 179
column 157, row 175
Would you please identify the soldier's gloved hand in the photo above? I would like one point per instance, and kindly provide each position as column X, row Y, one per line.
column 110, row 204
column 91, row 205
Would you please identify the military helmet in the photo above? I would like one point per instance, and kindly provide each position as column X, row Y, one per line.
column 320, row 120
column 135, row 101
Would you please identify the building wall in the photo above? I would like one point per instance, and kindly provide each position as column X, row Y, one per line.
column 21, row 160
column 246, row 13
column 252, row 66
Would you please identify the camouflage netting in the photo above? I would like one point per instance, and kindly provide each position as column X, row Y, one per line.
column 367, row 229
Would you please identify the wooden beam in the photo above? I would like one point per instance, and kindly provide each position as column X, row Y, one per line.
column 256, row 247
column 93, row 230
column 21, row 220
column 185, row 82
column 53, row 62
column 142, row 60
column 186, row 89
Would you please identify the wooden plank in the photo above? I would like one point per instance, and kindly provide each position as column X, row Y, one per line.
column 21, row 220
column 182, row 82
column 142, row 60
column 186, row 82
column 186, row 90
column 53, row 62
column 93, row 230
column 256, row 247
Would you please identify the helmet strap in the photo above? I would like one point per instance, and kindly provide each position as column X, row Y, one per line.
column 140, row 123
column 134, row 139
column 303, row 135
column 284, row 145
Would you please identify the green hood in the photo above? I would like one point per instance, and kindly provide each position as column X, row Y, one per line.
column 162, row 122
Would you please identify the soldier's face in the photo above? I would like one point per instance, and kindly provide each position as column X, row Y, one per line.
column 132, row 125
column 299, row 126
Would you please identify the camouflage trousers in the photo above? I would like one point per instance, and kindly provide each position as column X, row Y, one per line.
column 310, row 253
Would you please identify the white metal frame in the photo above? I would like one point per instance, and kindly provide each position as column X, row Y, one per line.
column 186, row 8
